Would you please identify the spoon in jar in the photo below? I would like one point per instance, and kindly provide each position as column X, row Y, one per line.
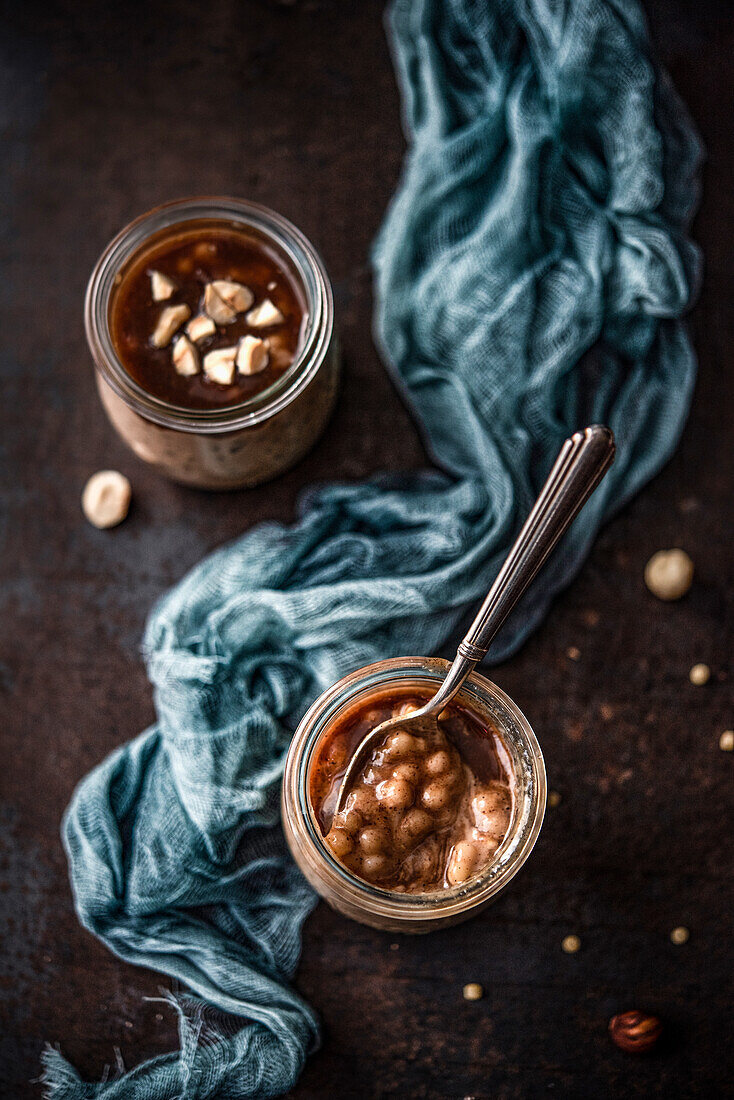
column 580, row 466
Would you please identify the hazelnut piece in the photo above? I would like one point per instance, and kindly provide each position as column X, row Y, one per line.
column 200, row 327
column 185, row 357
column 252, row 355
column 106, row 498
column 264, row 315
column 219, row 365
column 161, row 286
column 669, row 574
column 473, row 991
column 635, row 1032
column 169, row 321
column 224, row 299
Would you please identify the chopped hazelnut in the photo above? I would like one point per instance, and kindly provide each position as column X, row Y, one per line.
column 169, row 321
column 200, row 327
column 464, row 860
column 106, row 498
column 573, row 653
column 554, row 799
column 264, row 315
column 252, row 355
column 219, row 365
column 570, row 944
column 679, row 936
column 161, row 286
column 185, row 356
column 726, row 741
column 669, row 574
column 473, row 991
column 699, row 675
column 224, row 299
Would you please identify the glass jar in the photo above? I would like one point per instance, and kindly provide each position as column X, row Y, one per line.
column 403, row 912
column 243, row 444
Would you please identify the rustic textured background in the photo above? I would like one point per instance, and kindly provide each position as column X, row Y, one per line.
column 108, row 109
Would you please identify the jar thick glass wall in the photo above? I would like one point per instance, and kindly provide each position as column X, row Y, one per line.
column 244, row 444
column 403, row 912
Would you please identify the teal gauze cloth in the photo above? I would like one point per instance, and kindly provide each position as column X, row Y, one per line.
column 531, row 276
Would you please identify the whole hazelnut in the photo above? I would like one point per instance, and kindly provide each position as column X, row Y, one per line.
column 106, row 498
column 669, row 574
column 635, row 1031
column 699, row 675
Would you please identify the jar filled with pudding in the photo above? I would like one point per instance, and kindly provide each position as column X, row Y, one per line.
column 211, row 326
column 436, row 823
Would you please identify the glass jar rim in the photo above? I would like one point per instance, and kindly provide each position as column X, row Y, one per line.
column 510, row 856
column 281, row 234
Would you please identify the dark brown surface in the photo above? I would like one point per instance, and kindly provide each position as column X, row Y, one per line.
column 108, row 109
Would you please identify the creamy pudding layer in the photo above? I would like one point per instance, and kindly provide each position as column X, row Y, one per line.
column 426, row 812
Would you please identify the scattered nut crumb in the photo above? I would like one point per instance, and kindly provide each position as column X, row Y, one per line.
column 669, row 574
column 394, row 946
column 573, row 653
column 185, row 356
column 606, row 712
column 570, row 944
column 252, row 355
column 591, row 617
column 726, row 741
column 200, row 327
column 159, row 1016
column 224, row 299
column 219, row 365
column 679, row 935
column 264, row 315
column 161, row 286
column 106, row 498
column 554, row 799
column 699, row 675
column 170, row 319
column 473, row 992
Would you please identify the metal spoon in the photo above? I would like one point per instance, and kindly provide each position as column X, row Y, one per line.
column 580, row 466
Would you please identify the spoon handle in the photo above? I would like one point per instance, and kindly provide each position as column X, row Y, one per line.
column 580, row 466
